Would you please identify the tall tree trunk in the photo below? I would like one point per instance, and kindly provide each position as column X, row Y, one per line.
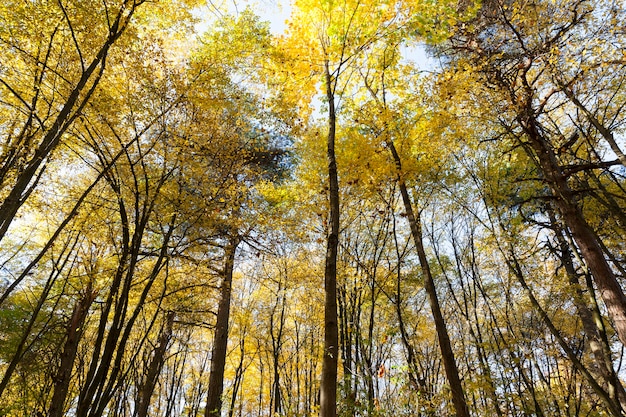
column 586, row 239
column 328, row 386
column 449, row 361
column 108, row 379
column 73, row 334
column 590, row 318
column 238, row 377
column 220, row 340
column 154, row 368
column 277, row 342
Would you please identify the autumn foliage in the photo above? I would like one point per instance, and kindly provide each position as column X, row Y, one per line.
column 391, row 208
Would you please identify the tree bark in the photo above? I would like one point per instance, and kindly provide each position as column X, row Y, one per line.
column 328, row 386
column 586, row 239
column 591, row 320
column 449, row 361
column 73, row 333
column 220, row 340
column 154, row 368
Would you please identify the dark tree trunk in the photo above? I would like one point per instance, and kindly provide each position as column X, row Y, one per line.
column 328, row 386
column 591, row 320
column 238, row 377
column 154, row 368
column 103, row 346
column 449, row 361
column 73, row 335
column 220, row 340
column 107, row 364
column 277, row 341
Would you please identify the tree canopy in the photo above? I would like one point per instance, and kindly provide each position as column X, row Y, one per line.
column 201, row 217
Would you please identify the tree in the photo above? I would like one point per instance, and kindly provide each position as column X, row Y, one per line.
column 172, row 201
column 66, row 62
column 255, row 155
column 517, row 61
column 387, row 132
column 334, row 37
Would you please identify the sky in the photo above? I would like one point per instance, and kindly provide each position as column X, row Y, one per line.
column 277, row 12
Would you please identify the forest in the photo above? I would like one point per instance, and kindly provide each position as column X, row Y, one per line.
column 203, row 217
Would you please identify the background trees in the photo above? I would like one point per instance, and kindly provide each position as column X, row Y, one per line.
column 170, row 209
